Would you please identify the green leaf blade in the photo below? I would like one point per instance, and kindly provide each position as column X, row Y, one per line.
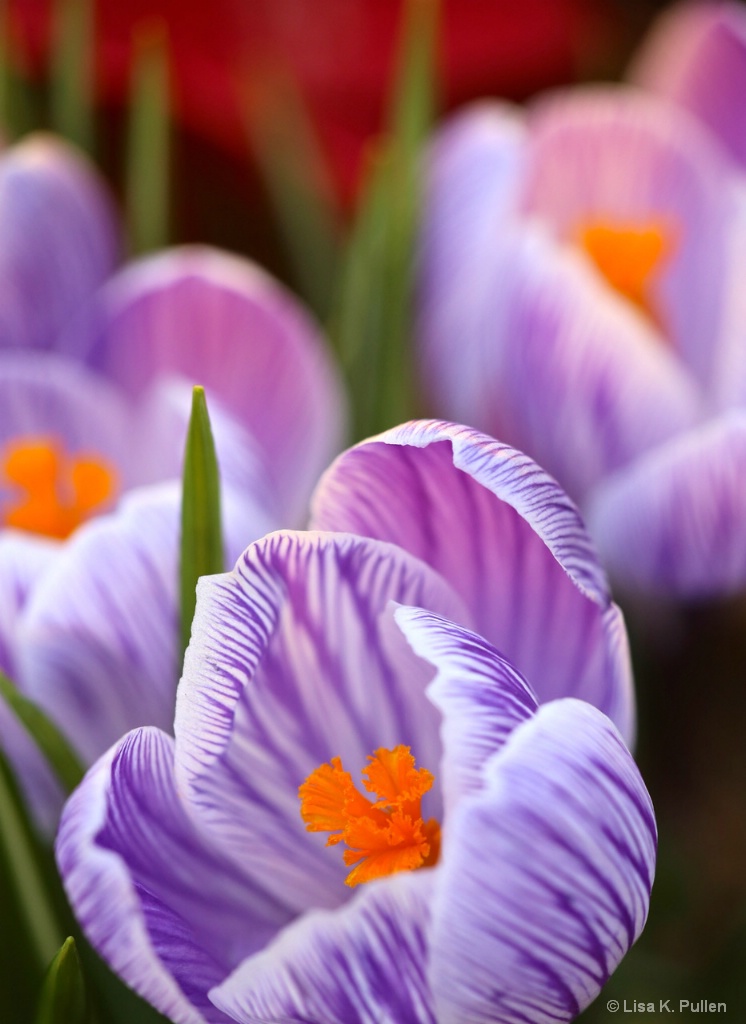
column 72, row 72
column 61, row 757
column 201, row 529
column 63, row 999
column 148, row 142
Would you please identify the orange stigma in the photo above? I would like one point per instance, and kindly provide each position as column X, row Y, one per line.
column 630, row 256
column 382, row 837
column 56, row 492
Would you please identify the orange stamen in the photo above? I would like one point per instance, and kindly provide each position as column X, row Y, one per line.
column 382, row 837
column 57, row 491
column 630, row 256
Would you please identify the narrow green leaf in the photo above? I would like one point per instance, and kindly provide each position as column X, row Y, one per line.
column 62, row 999
column 299, row 184
column 201, row 530
column 72, row 85
column 21, row 862
column 61, row 757
column 373, row 322
column 148, row 142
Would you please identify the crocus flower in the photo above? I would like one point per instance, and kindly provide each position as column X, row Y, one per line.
column 695, row 54
column 499, row 854
column 95, row 389
column 580, row 298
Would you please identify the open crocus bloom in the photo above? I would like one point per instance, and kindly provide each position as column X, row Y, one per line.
column 94, row 402
column 696, row 55
column 580, row 298
column 508, row 847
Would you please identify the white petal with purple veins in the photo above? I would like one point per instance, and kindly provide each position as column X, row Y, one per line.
column 164, row 909
column 295, row 659
column 481, row 696
column 545, row 876
column 506, row 537
column 363, row 964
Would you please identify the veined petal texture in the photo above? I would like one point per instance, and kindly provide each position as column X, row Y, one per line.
column 167, row 911
column 289, row 655
column 506, row 537
column 219, row 321
column 546, row 874
column 60, row 239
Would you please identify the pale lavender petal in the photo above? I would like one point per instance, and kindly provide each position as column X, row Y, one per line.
column 506, row 537
column 160, row 905
column 295, row 659
column 473, row 175
column 43, row 395
column 695, row 54
column 160, row 436
column 576, row 377
column 60, row 239
column 481, row 696
column 24, row 559
column 41, row 790
column 616, row 154
column 98, row 641
column 545, row 876
column 361, row 964
column 217, row 320
column 674, row 520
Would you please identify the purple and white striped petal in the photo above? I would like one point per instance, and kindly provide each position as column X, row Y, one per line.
column 363, row 963
column 474, row 171
column 576, row 376
column 97, row 644
column 696, row 56
column 480, row 694
column 60, row 239
column 673, row 522
column 620, row 156
column 545, row 876
column 295, row 659
column 219, row 321
column 168, row 913
column 506, row 537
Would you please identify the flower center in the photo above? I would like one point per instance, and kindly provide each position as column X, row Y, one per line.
column 54, row 491
column 384, row 836
column 630, row 256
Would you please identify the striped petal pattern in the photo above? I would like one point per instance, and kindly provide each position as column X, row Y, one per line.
column 546, row 874
column 289, row 654
column 505, row 536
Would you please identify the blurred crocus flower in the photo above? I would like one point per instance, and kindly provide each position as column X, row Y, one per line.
column 696, row 55
column 580, row 297
column 495, row 863
column 95, row 390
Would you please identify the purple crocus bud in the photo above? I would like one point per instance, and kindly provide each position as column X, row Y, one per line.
column 204, row 881
column 580, row 296
column 695, row 54
column 59, row 239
